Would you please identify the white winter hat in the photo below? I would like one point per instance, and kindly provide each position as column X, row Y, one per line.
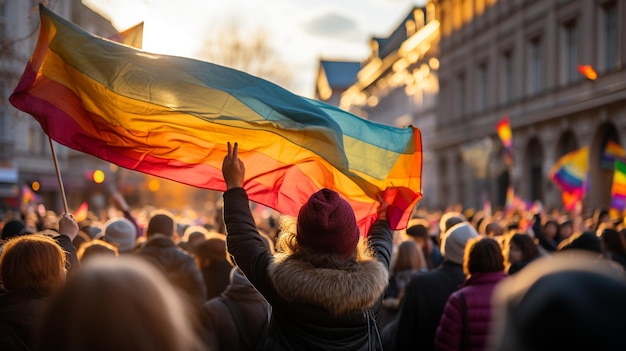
column 454, row 240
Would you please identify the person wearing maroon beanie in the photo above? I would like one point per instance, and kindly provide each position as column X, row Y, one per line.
column 326, row 282
column 326, row 223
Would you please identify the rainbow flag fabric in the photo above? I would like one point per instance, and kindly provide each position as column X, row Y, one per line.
column 81, row 212
column 571, row 199
column 171, row 117
column 618, row 189
column 612, row 151
column 569, row 173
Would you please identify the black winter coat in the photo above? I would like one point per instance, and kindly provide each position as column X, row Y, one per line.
column 178, row 267
column 305, row 300
column 424, row 300
column 222, row 332
column 18, row 319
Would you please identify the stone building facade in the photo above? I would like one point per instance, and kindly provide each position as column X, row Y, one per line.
column 519, row 58
column 473, row 62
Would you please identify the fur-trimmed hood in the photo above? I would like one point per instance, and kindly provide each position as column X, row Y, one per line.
column 339, row 291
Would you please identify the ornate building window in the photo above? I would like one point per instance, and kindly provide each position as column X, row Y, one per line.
column 506, row 77
column 481, row 87
column 535, row 66
column 569, row 53
column 610, row 36
column 459, row 96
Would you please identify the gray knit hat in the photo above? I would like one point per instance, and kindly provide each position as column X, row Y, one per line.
column 120, row 232
column 454, row 240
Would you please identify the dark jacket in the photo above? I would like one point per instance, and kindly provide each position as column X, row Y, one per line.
column 71, row 259
column 477, row 292
column 18, row 318
column 424, row 299
column 216, row 278
column 178, row 267
column 222, row 330
column 312, row 308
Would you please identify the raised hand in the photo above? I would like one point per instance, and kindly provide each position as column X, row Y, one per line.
column 233, row 168
column 382, row 209
column 68, row 226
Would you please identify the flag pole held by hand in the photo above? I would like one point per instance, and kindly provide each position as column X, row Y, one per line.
column 56, row 166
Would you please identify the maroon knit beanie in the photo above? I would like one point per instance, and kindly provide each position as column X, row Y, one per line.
column 326, row 223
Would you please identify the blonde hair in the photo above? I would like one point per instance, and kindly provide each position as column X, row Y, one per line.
column 142, row 310
column 32, row 264
column 287, row 246
column 94, row 248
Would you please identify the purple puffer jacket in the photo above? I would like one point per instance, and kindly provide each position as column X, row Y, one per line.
column 477, row 292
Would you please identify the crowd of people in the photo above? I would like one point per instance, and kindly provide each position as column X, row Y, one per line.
column 453, row 280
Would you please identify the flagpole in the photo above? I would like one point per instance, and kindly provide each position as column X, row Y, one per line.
column 56, row 166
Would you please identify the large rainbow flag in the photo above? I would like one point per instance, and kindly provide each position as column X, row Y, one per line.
column 171, row 117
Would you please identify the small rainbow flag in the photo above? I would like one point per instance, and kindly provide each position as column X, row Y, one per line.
column 81, row 212
column 570, row 172
column 612, row 151
column 171, row 117
column 588, row 72
column 504, row 132
column 618, row 190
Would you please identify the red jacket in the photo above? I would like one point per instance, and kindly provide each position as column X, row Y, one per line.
column 477, row 291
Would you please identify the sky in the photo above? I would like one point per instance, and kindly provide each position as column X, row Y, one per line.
column 300, row 32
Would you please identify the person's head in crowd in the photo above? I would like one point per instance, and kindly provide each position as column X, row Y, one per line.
column 14, row 228
column 325, row 227
column 587, row 241
column 120, row 232
column 550, row 230
column 50, row 220
column 482, row 255
column 613, row 242
column 454, row 240
column 80, row 239
column 161, row 222
column 566, row 229
column 493, row 229
column 565, row 301
column 92, row 228
column 408, row 257
column 512, row 226
column 32, row 265
column 95, row 248
column 478, row 221
column 450, row 219
column 211, row 251
column 193, row 236
column 143, row 312
column 522, row 248
column 418, row 230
